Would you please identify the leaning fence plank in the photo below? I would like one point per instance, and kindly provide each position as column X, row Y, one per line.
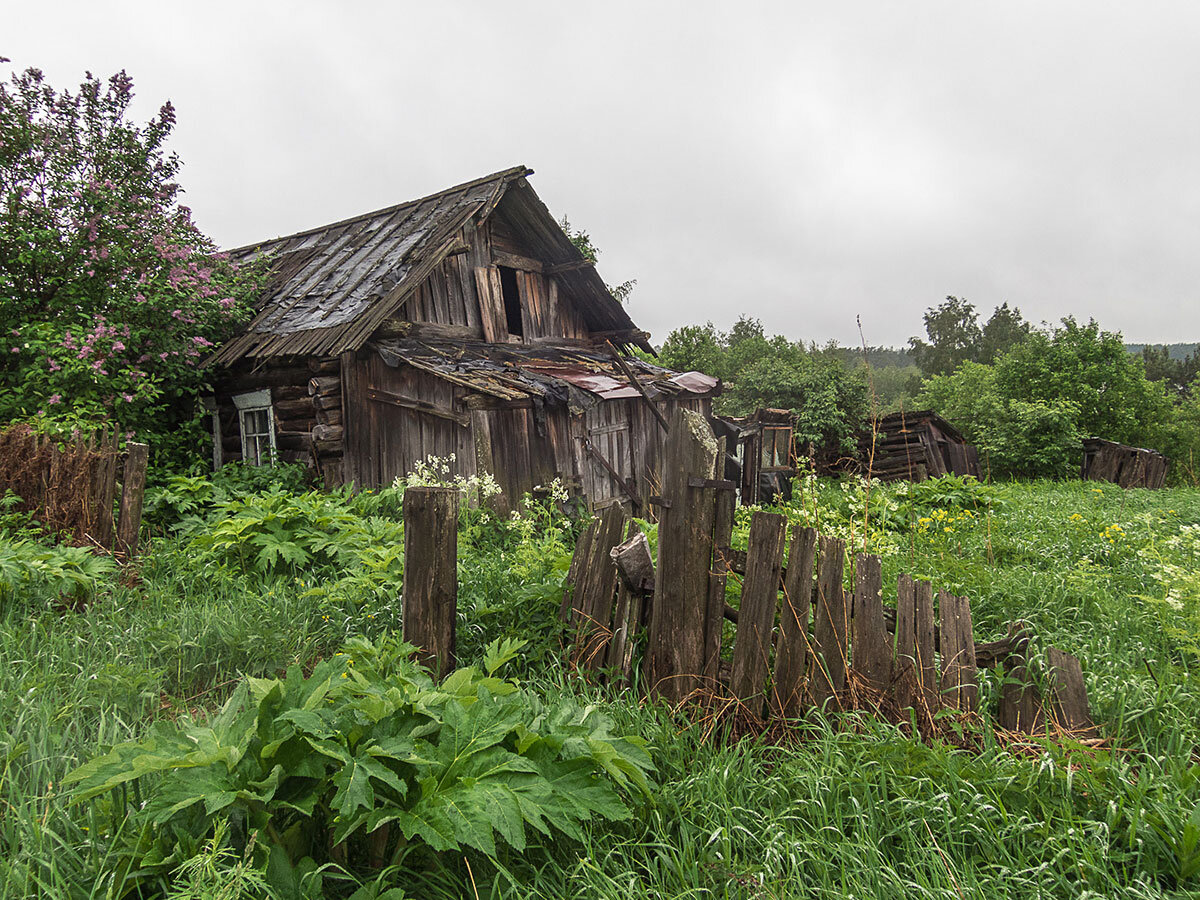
column 926, row 664
column 1020, row 700
column 756, row 618
column 596, row 603
column 715, row 620
column 583, row 547
column 792, row 650
column 1068, row 694
column 431, row 573
column 830, row 622
column 904, row 662
column 871, row 651
column 133, row 487
column 958, row 685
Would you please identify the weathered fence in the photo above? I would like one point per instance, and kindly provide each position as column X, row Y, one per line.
column 801, row 639
column 70, row 487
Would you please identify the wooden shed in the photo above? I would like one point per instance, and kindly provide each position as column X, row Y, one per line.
column 919, row 445
column 462, row 324
column 1130, row 467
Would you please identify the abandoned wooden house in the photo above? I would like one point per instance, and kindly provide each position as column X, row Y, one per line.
column 1129, row 467
column 464, row 324
column 917, row 445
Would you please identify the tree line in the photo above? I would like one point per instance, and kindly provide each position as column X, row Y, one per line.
column 1026, row 395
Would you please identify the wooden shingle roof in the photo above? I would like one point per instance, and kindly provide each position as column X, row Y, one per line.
column 331, row 287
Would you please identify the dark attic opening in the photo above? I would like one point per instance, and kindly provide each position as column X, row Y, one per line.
column 512, row 300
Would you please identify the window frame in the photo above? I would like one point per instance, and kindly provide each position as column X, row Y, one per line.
column 254, row 402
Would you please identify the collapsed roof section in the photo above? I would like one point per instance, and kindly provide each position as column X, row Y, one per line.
column 544, row 373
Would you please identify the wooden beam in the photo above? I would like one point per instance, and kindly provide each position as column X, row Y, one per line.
column 516, row 261
column 616, row 476
column 658, row 414
column 573, row 266
column 416, row 406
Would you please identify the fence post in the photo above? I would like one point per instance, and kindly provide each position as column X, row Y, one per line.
column 133, row 488
column 678, row 619
column 431, row 573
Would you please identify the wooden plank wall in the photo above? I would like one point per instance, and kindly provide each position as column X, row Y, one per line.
column 464, row 291
column 384, row 440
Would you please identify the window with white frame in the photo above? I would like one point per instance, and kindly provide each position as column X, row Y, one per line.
column 257, row 422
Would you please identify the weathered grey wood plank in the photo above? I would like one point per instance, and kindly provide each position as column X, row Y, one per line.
column 133, row 489
column 792, row 651
column 959, row 684
column 678, row 625
column 926, row 663
column 1068, row 695
column 718, row 578
column 756, row 618
column 831, row 621
column 872, row 652
column 905, row 671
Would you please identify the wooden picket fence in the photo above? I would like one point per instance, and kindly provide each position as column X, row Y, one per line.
column 70, row 487
column 798, row 629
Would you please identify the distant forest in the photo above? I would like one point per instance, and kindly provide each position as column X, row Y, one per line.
column 1174, row 351
column 900, row 356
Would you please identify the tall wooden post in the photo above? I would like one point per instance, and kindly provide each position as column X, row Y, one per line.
column 675, row 656
column 133, row 489
column 431, row 573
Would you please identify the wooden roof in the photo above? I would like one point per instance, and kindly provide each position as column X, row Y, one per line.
column 331, row 287
column 909, row 421
column 558, row 374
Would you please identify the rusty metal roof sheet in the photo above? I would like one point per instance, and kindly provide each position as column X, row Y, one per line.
column 552, row 373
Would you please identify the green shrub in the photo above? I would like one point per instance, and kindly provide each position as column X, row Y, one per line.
column 365, row 761
column 63, row 573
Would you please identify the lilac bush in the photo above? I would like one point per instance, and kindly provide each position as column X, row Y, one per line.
column 110, row 295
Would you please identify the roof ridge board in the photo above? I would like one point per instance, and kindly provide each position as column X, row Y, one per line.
column 504, row 175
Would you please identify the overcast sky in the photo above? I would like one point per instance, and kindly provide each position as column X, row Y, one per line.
column 799, row 162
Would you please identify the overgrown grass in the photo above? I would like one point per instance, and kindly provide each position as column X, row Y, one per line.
column 1112, row 576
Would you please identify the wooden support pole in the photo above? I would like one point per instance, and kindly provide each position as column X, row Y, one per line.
column 133, row 489
column 431, row 574
column 756, row 618
column 678, row 620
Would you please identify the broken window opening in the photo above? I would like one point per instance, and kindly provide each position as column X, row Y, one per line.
column 512, row 301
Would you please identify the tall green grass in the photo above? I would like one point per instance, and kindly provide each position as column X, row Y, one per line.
column 855, row 811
